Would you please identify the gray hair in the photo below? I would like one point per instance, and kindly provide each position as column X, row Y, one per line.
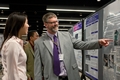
column 48, row 16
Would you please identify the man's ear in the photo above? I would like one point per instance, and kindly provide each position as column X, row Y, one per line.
column 45, row 24
column 31, row 38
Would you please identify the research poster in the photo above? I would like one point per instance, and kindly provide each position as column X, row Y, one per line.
column 77, row 33
column 111, row 29
column 91, row 56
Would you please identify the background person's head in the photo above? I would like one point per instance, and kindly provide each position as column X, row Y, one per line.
column 32, row 35
column 50, row 22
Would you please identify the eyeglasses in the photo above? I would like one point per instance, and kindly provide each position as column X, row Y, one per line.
column 52, row 22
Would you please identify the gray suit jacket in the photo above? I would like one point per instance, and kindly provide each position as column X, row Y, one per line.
column 44, row 53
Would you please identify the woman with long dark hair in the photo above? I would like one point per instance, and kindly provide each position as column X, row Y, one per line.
column 13, row 55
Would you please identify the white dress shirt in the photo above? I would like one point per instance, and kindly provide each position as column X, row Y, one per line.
column 13, row 60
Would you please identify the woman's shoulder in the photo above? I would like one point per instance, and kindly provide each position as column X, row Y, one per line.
column 11, row 42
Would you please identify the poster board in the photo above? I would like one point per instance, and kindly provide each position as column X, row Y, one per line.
column 111, row 30
column 77, row 33
column 91, row 25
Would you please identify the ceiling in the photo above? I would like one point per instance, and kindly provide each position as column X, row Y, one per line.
column 35, row 10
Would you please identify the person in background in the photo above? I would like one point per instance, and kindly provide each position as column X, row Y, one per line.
column 13, row 55
column 55, row 50
column 29, row 50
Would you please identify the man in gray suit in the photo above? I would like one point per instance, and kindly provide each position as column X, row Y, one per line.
column 55, row 52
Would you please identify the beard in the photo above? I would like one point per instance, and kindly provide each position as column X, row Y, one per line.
column 54, row 29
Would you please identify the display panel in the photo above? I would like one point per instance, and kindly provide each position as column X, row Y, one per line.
column 77, row 33
column 91, row 56
column 111, row 66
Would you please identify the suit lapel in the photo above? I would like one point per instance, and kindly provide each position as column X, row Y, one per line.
column 47, row 44
column 61, row 42
column 32, row 52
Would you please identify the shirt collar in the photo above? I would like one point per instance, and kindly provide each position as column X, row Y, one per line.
column 51, row 35
column 20, row 41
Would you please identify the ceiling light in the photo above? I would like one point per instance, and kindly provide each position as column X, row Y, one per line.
column 2, row 24
column 44, row 29
column 68, row 20
column 4, row 7
column 2, row 27
column 98, row 0
column 43, row 33
column 66, row 25
column 3, row 18
column 73, row 10
column 63, row 29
